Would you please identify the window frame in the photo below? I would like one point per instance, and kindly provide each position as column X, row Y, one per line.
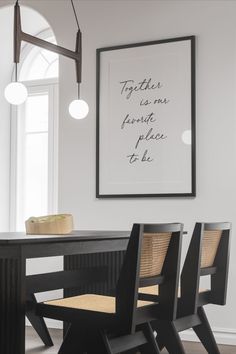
column 35, row 86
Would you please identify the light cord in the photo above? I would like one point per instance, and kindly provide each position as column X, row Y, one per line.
column 76, row 18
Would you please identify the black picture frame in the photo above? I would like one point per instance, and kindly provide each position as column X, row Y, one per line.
column 166, row 49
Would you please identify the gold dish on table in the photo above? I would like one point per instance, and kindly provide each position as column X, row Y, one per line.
column 49, row 224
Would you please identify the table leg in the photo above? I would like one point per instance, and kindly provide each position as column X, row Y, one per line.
column 12, row 302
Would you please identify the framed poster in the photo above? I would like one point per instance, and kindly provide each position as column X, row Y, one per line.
column 146, row 119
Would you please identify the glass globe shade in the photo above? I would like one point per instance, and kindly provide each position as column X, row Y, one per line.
column 78, row 109
column 16, row 93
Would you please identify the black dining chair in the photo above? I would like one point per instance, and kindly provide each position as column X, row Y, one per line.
column 38, row 322
column 208, row 255
column 105, row 324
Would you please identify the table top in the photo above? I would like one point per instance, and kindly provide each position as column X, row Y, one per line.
column 75, row 235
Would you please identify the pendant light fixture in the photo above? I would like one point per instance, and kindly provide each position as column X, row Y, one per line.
column 16, row 93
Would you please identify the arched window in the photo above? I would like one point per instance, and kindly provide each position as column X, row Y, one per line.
column 34, row 136
column 39, row 63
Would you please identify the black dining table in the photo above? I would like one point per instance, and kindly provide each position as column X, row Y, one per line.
column 81, row 250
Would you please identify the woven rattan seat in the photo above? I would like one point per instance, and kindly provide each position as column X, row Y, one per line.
column 92, row 302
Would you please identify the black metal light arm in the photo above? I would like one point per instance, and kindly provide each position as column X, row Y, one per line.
column 20, row 36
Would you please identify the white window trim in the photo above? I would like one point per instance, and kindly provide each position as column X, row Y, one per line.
column 36, row 85
column 27, row 48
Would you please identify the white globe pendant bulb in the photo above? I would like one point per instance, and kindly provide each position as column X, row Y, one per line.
column 78, row 109
column 16, row 93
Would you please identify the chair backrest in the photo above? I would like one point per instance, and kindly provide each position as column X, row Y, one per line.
column 153, row 253
column 152, row 257
column 208, row 254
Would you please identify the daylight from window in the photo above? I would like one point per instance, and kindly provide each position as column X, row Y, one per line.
column 36, row 131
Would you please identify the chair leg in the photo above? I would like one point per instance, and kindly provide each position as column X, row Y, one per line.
column 95, row 343
column 160, row 342
column 106, row 342
column 142, row 341
column 73, row 342
column 40, row 327
column 169, row 337
column 204, row 333
column 151, row 346
column 39, row 324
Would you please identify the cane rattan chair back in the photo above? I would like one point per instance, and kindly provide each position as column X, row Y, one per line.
column 210, row 243
column 208, row 254
column 153, row 254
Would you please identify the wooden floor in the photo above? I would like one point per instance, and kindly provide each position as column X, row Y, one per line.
column 34, row 345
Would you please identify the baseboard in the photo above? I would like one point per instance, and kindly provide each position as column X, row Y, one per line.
column 53, row 323
column 222, row 335
column 49, row 322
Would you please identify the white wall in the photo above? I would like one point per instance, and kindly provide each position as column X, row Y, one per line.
column 115, row 22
